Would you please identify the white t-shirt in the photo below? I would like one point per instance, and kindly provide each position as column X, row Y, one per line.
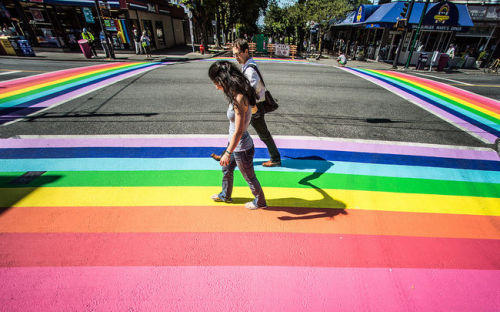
column 254, row 79
column 342, row 60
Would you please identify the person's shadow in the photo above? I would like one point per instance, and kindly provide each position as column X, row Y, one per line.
column 303, row 209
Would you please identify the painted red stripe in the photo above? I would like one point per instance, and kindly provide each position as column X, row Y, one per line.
column 268, row 249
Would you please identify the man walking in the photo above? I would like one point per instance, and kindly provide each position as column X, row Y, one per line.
column 242, row 55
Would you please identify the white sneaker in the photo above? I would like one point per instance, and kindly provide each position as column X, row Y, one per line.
column 251, row 206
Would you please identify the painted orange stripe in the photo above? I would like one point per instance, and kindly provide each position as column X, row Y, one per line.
column 235, row 218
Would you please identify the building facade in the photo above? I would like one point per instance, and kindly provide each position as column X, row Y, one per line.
column 57, row 24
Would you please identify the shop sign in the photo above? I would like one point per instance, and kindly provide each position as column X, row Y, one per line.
column 477, row 11
column 442, row 16
column 109, row 25
column 493, row 13
column 151, row 7
column 37, row 15
column 123, row 4
column 89, row 18
column 359, row 16
column 282, row 49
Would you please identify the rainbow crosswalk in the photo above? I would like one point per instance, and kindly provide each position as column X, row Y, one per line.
column 475, row 114
column 267, row 60
column 126, row 223
column 26, row 96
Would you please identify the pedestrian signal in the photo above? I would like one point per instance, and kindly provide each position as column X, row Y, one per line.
column 405, row 9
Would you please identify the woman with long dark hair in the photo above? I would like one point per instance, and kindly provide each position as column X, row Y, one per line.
column 240, row 150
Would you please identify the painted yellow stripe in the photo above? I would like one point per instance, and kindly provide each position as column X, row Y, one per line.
column 281, row 197
column 39, row 86
column 445, row 94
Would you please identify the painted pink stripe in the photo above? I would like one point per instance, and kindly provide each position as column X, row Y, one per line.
column 491, row 103
column 6, row 84
column 247, row 288
column 79, row 92
column 282, row 142
column 455, row 120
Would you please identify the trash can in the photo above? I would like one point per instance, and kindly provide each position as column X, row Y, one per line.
column 443, row 61
column 25, row 47
column 85, row 47
column 422, row 61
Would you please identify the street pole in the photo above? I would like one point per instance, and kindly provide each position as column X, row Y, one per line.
column 412, row 46
column 403, row 36
column 110, row 46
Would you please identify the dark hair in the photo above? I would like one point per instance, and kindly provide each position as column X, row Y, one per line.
column 232, row 81
column 241, row 44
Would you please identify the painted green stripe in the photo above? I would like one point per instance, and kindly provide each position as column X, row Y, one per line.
column 444, row 98
column 267, row 179
column 46, row 88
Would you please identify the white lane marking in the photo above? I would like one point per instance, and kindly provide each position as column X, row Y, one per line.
column 224, row 136
column 10, row 72
column 441, row 78
column 373, row 80
column 107, row 83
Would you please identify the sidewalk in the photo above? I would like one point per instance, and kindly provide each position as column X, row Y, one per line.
column 176, row 54
column 371, row 64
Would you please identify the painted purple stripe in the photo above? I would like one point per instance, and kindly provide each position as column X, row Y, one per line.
column 247, row 288
column 74, row 94
column 282, row 142
column 452, row 118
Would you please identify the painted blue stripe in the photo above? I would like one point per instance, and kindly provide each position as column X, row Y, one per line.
column 38, row 97
column 201, row 152
column 485, row 127
column 288, row 165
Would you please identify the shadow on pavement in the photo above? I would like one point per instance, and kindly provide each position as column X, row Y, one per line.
column 303, row 209
column 13, row 189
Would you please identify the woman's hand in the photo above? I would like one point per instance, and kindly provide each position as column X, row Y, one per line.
column 224, row 161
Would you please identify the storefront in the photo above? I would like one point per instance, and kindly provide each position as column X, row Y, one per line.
column 58, row 24
column 442, row 21
column 163, row 23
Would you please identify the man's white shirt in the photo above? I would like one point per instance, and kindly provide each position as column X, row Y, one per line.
column 254, row 79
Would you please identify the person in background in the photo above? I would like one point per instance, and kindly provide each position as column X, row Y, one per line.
column 105, row 44
column 240, row 149
column 146, row 44
column 87, row 35
column 341, row 59
column 137, row 41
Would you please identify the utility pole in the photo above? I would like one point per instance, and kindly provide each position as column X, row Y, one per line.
column 107, row 43
column 412, row 47
column 405, row 14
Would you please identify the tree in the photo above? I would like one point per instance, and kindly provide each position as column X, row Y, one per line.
column 227, row 13
column 322, row 11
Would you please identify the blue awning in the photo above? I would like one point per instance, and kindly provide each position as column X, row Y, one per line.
column 348, row 20
column 389, row 13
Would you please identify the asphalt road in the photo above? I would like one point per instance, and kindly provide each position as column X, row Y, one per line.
column 321, row 101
